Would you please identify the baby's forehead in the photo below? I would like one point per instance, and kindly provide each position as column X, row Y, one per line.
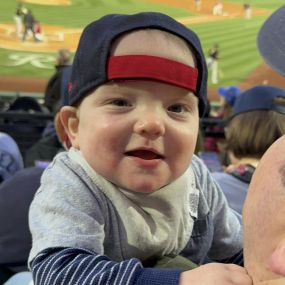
column 154, row 42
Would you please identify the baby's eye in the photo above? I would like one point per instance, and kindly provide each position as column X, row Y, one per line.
column 177, row 108
column 121, row 102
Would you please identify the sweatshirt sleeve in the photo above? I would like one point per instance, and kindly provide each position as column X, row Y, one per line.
column 225, row 222
column 71, row 266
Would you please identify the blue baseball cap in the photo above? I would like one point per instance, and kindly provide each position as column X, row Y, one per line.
column 90, row 64
column 230, row 94
column 271, row 40
column 261, row 97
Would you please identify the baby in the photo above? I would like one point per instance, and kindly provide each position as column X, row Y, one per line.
column 130, row 194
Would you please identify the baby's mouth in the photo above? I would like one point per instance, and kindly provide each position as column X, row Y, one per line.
column 144, row 154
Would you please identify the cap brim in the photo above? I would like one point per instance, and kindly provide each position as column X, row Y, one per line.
column 271, row 40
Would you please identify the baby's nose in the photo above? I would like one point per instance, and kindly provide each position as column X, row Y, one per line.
column 150, row 125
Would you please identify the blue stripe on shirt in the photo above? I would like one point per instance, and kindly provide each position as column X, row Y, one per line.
column 76, row 266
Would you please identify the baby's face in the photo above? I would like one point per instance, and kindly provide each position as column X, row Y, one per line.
column 140, row 134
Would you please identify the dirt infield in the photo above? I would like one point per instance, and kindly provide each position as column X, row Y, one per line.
column 55, row 37
column 48, row 2
column 229, row 9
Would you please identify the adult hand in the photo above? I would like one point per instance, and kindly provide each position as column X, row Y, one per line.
column 216, row 273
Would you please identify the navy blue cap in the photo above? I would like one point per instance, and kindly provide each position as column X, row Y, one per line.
column 90, row 62
column 261, row 97
column 271, row 40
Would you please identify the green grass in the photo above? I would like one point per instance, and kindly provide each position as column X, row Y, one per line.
column 266, row 4
column 81, row 12
column 78, row 15
column 237, row 41
column 236, row 37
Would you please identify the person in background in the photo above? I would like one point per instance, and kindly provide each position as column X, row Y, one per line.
column 227, row 99
column 56, row 96
column 19, row 190
column 18, row 17
column 44, row 150
column 29, row 21
column 11, row 159
column 257, row 120
column 16, row 195
column 218, row 8
column 54, row 85
column 212, row 62
column 247, row 11
column 15, row 236
column 38, row 31
column 198, row 4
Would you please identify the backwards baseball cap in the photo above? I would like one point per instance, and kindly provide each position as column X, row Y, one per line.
column 261, row 97
column 93, row 66
column 271, row 40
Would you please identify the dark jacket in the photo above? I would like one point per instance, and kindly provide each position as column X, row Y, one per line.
column 16, row 195
column 53, row 89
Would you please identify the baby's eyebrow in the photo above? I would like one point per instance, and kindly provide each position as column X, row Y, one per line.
column 282, row 173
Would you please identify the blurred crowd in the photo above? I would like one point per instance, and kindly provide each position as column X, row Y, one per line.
column 26, row 25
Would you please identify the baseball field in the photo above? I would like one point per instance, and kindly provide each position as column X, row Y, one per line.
column 26, row 66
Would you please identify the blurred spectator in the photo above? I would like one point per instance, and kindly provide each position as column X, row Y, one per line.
column 212, row 62
column 247, row 11
column 218, row 8
column 38, row 31
column 27, row 104
column 10, row 157
column 43, row 151
column 257, row 120
column 15, row 237
column 18, row 17
column 215, row 142
column 29, row 22
column 198, row 4
column 228, row 97
column 53, row 88
column 24, row 120
column 46, row 148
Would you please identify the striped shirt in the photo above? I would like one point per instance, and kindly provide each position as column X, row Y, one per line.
column 76, row 266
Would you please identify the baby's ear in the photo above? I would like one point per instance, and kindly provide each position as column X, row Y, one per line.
column 70, row 121
column 276, row 262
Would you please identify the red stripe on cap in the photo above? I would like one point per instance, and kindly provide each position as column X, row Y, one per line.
column 126, row 67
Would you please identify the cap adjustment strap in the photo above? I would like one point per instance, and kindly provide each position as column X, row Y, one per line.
column 133, row 67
